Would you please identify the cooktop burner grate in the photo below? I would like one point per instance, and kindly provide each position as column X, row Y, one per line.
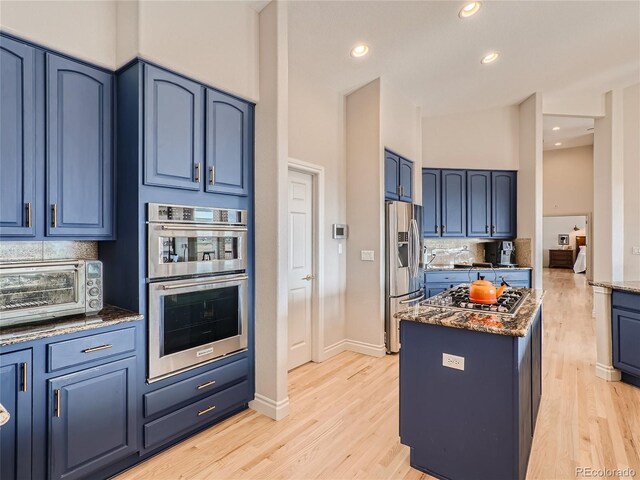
column 457, row 298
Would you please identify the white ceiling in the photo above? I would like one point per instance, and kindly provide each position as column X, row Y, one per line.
column 574, row 131
column 434, row 56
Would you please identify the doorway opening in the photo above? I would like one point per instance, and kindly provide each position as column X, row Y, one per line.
column 305, row 222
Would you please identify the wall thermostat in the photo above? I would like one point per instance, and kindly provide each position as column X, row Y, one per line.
column 339, row 231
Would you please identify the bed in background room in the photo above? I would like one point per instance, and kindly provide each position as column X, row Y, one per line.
column 580, row 266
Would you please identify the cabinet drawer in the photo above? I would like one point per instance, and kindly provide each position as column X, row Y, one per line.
column 185, row 390
column 450, row 277
column 190, row 417
column 91, row 348
column 508, row 275
column 626, row 300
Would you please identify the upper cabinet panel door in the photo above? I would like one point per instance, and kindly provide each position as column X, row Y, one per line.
column 227, row 144
column 454, row 203
column 391, row 180
column 406, row 180
column 79, row 111
column 173, row 136
column 430, row 202
column 504, row 204
column 17, row 138
column 478, row 204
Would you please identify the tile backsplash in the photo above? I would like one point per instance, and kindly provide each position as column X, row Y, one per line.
column 41, row 250
column 475, row 245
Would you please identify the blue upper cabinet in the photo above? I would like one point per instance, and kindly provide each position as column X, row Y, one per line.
column 17, row 139
column 391, row 176
column 478, row 204
column 15, row 396
column 173, row 130
column 430, row 202
column 504, row 204
column 79, row 126
column 454, row 203
column 228, row 137
column 406, row 180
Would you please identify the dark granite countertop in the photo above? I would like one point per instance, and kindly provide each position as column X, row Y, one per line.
column 454, row 269
column 633, row 287
column 516, row 326
column 109, row 315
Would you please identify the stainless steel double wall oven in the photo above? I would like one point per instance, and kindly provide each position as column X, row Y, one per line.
column 198, row 285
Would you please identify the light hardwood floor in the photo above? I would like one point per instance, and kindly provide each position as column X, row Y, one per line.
column 344, row 416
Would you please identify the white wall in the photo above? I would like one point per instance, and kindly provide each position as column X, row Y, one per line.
column 316, row 135
column 401, row 132
column 482, row 139
column 530, row 180
column 554, row 226
column 215, row 42
column 568, row 181
column 86, row 30
column 631, row 152
column 365, row 280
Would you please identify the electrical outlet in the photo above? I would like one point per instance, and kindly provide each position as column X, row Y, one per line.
column 367, row 255
column 636, row 251
column 452, row 361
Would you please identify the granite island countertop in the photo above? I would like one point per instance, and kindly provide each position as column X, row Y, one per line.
column 633, row 287
column 516, row 326
column 108, row 316
column 458, row 269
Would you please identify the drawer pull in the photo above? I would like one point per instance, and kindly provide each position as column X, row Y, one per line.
column 206, row 410
column 96, row 349
column 206, row 384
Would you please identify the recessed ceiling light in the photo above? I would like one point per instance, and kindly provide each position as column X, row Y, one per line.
column 555, row 129
column 469, row 9
column 557, row 144
column 490, row 58
column 359, row 50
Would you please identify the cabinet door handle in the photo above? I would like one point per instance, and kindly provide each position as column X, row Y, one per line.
column 29, row 215
column 437, row 229
column 54, row 215
column 198, row 172
column 24, row 376
column 493, row 229
column 486, row 229
column 206, row 410
column 57, row 394
column 444, row 229
column 212, row 175
column 97, row 349
column 206, row 384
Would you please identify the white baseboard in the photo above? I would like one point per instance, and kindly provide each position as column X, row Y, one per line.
column 334, row 349
column 269, row 407
column 366, row 348
column 608, row 373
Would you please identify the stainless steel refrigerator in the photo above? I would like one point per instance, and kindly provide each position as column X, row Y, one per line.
column 403, row 248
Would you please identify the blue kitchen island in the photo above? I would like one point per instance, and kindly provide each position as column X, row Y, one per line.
column 470, row 389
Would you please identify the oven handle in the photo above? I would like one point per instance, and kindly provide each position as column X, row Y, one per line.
column 217, row 228
column 208, row 282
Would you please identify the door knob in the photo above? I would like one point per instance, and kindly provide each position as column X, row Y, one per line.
column 308, row 277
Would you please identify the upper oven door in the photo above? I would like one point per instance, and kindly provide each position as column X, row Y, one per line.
column 176, row 250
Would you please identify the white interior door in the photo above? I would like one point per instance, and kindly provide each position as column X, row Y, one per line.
column 301, row 274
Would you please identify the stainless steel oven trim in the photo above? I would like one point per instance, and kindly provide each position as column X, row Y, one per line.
column 47, row 311
column 152, row 214
column 156, row 269
column 163, row 366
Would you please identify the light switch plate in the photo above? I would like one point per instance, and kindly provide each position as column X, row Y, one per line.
column 452, row 361
column 636, row 250
column 367, row 255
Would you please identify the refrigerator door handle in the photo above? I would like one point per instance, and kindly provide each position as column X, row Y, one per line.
column 415, row 248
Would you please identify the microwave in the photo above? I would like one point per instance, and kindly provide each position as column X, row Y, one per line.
column 35, row 291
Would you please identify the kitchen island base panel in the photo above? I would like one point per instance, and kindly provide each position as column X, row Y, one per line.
column 630, row 379
column 475, row 423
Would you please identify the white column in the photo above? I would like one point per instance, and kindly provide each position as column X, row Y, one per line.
column 604, row 347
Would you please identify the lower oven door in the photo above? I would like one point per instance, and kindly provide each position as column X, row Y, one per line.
column 195, row 321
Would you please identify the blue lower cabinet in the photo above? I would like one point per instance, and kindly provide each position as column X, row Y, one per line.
column 92, row 419
column 625, row 316
column 16, row 397
column 191, row 417
column 80, row 165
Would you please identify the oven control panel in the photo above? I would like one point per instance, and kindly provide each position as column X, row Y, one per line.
column 203, row 215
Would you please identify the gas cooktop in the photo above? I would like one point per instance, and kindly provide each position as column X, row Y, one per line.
column 457, row 298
